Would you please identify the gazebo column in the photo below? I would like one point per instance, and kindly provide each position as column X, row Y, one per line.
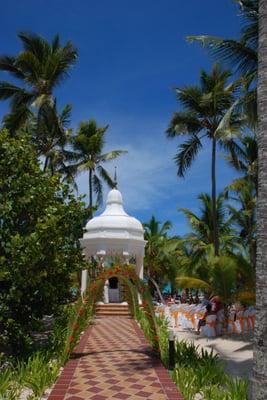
column 84, row 281
column 139, row 271
column 140, row 266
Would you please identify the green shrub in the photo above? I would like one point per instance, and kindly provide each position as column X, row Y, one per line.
column 38, row 373
column 202, row 372
column 237, row 388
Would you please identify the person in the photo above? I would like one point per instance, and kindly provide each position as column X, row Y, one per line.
column 205, row 301
column 191, row 300
column 184, row 297
column 202, row 321
column 196, row 299
column 217, row 304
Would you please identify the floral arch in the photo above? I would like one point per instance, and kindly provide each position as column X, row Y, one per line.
column 136, row 290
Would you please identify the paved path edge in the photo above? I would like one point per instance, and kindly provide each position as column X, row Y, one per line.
column 62, row 384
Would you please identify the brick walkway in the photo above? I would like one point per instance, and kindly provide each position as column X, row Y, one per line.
column 114, row 361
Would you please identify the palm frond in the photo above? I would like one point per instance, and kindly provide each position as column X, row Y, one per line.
column 8, row 90
column 65, row 115
column 16, row 118
column 190, row 97
column 229, row 126
column 35, row 44
column 31, row 67
column 190, row 282
column 8, row 63
column 243, row 58
column 183, row 123
column 97, row 187
column 187, row 153
column 105, row 176
column 111, row 155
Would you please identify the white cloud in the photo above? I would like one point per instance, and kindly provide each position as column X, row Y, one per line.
column 147, row 173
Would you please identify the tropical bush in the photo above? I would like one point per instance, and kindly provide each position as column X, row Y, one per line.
column 41, row 222
column 200, row 372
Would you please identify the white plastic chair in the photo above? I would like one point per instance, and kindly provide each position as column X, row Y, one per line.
column 251, row 318
column 209, row 329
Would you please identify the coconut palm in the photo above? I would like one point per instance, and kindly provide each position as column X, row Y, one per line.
column 220, row 278
column 260, row 343
column 50, row 134
column 40, row 67
column 244, row 215
column 198, row 244
column 88, row 143
column 161, row 253
column 240, row 54
column 209, row 113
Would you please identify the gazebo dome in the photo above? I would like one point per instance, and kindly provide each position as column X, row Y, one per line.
column 114, row 231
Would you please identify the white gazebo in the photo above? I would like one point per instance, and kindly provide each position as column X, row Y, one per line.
column 113, row 233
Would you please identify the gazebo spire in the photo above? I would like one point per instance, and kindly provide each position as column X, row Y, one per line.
column 115, row 179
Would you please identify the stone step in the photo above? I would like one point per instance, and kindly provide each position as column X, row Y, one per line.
column 112, row 309
column 111, row 313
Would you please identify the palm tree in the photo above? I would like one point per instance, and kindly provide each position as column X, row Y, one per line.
column 40, row 67
column 240, row 54
column 198, row 244
column 244, row 217
column 209, row 112
column 220, row 278
column 260, row 343
column 50, row 134
column 161, row 253
column 88, row 145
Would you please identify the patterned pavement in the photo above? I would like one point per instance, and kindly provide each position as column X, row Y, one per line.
column 114, row 361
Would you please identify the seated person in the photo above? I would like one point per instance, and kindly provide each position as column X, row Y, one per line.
column 191, row 300
column 216, row 303
column 206, row 300
column 202, row 321
column 196, row 299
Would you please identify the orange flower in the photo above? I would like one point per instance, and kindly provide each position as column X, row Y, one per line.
column 75, row 326
column 71, row 339
column 156, row 338
column 81, row 311
column 144, row 303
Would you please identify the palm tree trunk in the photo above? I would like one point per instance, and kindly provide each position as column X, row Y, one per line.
column 259, row 379
column 213, row 195
column 45, row 164
column 91, row 193
column 157, row 289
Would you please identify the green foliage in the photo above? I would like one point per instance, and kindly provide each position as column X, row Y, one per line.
column 41, row 222
column 38, row 373
column 240, row 54
column 161, row 252
column 163, row 335
column 40, row 67
column 201, row 372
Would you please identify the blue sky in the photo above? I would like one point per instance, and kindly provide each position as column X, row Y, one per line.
column 131, row 56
